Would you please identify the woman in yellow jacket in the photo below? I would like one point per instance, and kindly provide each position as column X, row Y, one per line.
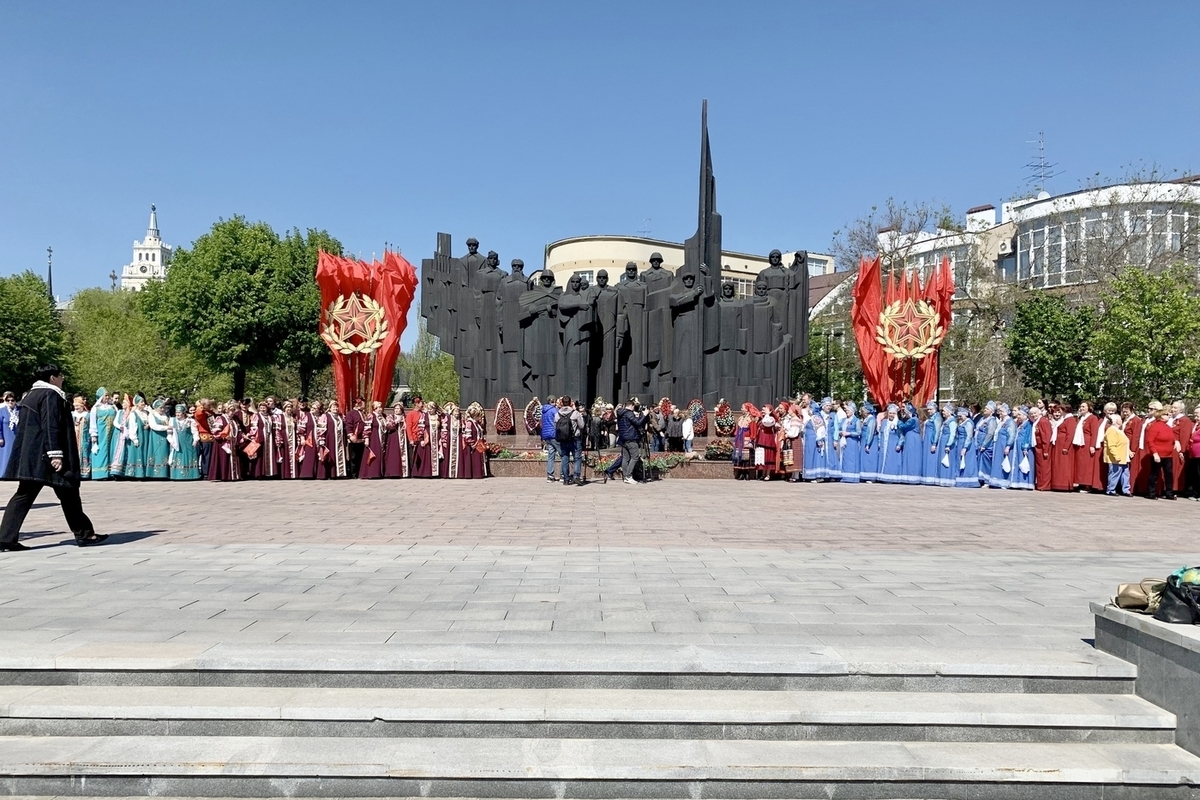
column 1116, row 456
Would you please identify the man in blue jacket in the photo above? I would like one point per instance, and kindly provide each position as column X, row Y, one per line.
column 549, row 442
column 630, row 424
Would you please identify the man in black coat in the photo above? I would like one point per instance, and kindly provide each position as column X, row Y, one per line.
column 45, row 453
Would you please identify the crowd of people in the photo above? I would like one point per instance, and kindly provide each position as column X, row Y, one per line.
column 123, row 436
column 1046, row 446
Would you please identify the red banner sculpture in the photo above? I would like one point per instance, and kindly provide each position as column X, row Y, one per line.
column 900, row 332
column 364, row 310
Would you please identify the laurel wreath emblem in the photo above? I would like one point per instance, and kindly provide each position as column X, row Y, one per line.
column 910, row 329
column 355, row 317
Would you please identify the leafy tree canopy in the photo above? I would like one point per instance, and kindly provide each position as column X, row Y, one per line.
column 1148, row 341
column 114, row 345
column 1050, row 345
column 31, row 332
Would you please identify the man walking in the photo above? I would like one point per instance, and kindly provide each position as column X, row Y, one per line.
column 45, row 454
column 630, row 423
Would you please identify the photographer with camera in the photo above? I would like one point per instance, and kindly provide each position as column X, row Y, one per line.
column 631, row 424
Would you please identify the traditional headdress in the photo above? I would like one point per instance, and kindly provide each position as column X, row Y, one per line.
column 101, row 392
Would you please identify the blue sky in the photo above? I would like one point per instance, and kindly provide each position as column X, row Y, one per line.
column 525, row 122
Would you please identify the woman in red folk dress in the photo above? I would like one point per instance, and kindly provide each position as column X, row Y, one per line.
column 374, row 437
column 1042, row 449
column 1062, row 454
column 472, row 461
column 286, row 441
column 449, row 435
column 766, row 441
column 332, row 456
column 395, row 449
column 306, row 440
column 1086, row 445
column 227, row 436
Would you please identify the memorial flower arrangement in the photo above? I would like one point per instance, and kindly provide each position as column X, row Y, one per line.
column 699, row 417
column 504, row 416
column 719, row 450
column 724, row 419
column 533, row 417
column 496, row 450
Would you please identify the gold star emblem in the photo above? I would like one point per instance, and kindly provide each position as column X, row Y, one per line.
column 354, row 324
column 909, row 329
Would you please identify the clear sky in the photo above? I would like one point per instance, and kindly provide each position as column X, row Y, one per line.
column 521, row 122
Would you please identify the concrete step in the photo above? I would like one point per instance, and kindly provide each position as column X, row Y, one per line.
column 608, row 666
column 579, row 713
column 469, row 767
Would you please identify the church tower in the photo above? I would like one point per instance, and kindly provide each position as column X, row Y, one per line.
column 151, row 257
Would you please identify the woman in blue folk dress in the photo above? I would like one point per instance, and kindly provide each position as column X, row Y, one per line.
column 816, row 465
column 137, row 443
column 891, row 439
column 947, row 455
column 833, row 455
column 964, row 447
column 931, row 431
column 158, row 448
column 869, row 449
column 1003, row 450
column 103, row 436
column 851, row 450
column 1023, row 460
column 9, row 416
column 985, row 442
column 184, row 438
column 913, row 461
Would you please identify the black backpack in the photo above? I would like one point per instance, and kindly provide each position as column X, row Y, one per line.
column 564, row 431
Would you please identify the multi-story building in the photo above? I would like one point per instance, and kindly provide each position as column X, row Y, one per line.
column 151, row 257
column 587, row 255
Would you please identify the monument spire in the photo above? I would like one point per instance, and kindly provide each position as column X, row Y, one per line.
column 152, row 230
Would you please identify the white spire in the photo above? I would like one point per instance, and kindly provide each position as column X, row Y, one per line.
column 152, row 231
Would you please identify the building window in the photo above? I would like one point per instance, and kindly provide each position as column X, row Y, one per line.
column 153, row 257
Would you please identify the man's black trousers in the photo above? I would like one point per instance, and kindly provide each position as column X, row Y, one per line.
column 22, row 501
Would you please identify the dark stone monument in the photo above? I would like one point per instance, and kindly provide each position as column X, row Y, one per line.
column 682, row 335
column 631, row 335
column 508, row 299
column 604, row 300
column 540, row 348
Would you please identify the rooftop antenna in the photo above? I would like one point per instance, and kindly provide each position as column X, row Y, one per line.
column 645, row 231
column 50, row 271
column 1040, row 170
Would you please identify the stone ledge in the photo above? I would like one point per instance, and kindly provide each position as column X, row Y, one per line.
column 1167, row 658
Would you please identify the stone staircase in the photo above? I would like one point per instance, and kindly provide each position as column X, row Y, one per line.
column 1068, row 729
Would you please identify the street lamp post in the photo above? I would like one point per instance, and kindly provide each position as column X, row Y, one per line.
column 829, row 335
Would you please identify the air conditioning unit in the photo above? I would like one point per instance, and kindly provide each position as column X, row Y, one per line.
column 1006, row 247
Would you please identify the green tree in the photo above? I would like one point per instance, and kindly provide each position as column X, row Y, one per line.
column 31, row 332
column 1148, row 340
column 293, row 309
column 844, row 370
column 113, row 344
column 216, row 298
column 1049, row 343
column 430, row 372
